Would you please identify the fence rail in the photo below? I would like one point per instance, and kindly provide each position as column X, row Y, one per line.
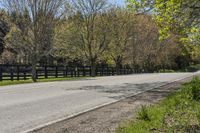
column 23, row 72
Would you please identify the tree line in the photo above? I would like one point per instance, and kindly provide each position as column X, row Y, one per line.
column 89, row 32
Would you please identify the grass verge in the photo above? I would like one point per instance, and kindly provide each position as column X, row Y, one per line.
column 178, row 113
column 6, row 83
column 192, row 68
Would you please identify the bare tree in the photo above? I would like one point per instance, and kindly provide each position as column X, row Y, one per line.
column 4, row 28
column 34, row 27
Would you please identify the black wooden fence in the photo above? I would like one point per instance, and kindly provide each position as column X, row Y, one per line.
column 23, row 72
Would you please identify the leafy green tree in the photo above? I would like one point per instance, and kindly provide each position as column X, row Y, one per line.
column 67, row 42
column 182, row 19
column 175, row 17
column 179, row 17
column 121, row 24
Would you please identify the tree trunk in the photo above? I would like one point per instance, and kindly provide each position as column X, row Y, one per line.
column 118, row 63
column 118, row 68
column 93, row 68
column 34, row 73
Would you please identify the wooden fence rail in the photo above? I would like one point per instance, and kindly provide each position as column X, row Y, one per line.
column 23, row 72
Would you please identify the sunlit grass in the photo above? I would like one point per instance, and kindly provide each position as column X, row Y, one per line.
column 180, row 112
column 15, row 82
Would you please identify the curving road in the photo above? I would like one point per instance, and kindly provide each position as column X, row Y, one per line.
column 25, row 107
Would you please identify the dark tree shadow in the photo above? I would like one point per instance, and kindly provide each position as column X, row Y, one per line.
column 128, row 89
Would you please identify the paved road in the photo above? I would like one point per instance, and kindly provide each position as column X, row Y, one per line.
column 23, row 107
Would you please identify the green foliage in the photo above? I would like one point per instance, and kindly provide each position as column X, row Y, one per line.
column 180, row 112
column 175, row 17
column 192, row 68
column 143, row 114
column 198, row 115
column 178, row 17
column 140, row 6
column 195, row 87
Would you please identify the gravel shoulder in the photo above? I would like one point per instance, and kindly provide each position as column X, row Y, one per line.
column 106, row 119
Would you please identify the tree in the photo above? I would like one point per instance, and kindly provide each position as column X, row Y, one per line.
column 140, row 6
column 3, row 29
column 175, row 17
column 121, row 25
column 67, row 42
column 144, row 44
column 91, row 28
column 34, row 27
column 179, row 17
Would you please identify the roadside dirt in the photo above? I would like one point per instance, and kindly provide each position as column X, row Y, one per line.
column 108, row 118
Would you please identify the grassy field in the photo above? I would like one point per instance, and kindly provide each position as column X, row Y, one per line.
column 179, row 113
column 6, row 83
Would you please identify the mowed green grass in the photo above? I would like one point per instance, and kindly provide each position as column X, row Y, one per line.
column 178, row 113
column 192, row 68
column 15, row 82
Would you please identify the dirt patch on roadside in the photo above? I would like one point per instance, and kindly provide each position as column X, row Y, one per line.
column 108, row 118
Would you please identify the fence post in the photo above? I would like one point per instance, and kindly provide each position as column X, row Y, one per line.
column 1, row 73
column 84, row 73
column 113, row 71
column 78, row 70
column 71, row 72
column 45, row 72
column 24, row 72
column 104, row 72
column 37, row 74
column 56, row 72
column 66, row 71
column 18, row 72
column 101, row 70
column 90, row 71
column 97, row 70
column 11, row 74
column 24, row 75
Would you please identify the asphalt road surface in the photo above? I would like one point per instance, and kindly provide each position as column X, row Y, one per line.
column 25, row 107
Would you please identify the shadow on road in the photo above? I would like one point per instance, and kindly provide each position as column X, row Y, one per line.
column 121, row 91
